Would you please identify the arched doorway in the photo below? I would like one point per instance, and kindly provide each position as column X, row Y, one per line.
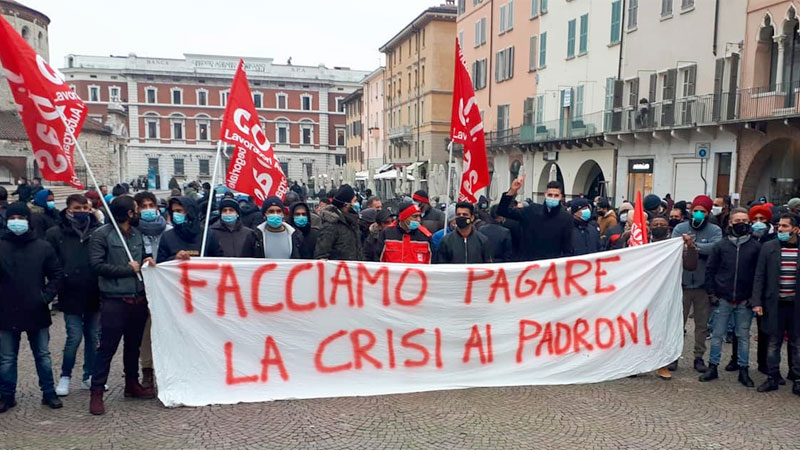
column 550, row 171
column 774, row 172
column 590, row 180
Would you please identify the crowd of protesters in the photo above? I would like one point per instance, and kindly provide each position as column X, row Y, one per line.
column 738, row 263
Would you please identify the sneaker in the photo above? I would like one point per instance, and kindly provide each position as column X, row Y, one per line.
column 62, row 390
column 87, row 385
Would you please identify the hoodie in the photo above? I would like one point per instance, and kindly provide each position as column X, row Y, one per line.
column 187, row 236
column 306, row 236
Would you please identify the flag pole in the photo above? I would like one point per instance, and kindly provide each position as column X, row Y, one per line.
column 97, row 186
column 212, row 196
column 449, row 176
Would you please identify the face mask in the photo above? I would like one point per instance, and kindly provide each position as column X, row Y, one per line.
column 149, row 215
column 51, row 205
column 18, row 226
column 586, row 214
column 716, row 210
column 274, row 220
column 301, row 221
column 413, row 225
column 740, row 229
column 356, row 207
column 759, row 227
column 551, row 202
column 229, row 218
column 674, row 223
column 698, row 217
column 80, row 216
column 162, row 210
column 660, row 232
column 783, row 237
column 178, row 218
column 623, row 217
column 463, row 222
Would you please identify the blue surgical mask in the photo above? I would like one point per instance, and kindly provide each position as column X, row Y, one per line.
column 149, row 215
column 51, row 205
column 413, row 225
column 552, row 202
column 18, row 226
column 783, row 237
column 356, row 207
column 178, row 218
column 163, row 210
column 274, row 220
column 301, row 221
column 586, row 214
column 759, row 227
column 229, row 218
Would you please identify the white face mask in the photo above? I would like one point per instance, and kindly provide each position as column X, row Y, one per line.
column 716, row 210
column 623, row 217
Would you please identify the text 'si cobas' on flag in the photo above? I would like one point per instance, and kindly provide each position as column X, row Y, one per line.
column 254, row 169
column 466, row 128
column 47, row 106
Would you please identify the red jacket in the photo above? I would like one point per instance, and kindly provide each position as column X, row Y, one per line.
column 400, row 246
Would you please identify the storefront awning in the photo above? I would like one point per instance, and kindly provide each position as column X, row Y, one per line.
column 391, row 175
column 384, row 168
column 363, row 175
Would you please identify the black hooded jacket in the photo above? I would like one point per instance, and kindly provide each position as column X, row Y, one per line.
column 250, row 215
column 188, row 236
column 79, row 292
column 546, row 233
column 305, row 237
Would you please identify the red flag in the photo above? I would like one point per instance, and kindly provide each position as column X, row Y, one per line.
column 639, row 224
column 254, row 169
column 466, row 127
column 42, row 99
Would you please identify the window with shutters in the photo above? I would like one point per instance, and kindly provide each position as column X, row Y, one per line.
column 528, row 109
column 543, row 50
column 503, row 19
column 609, row 103
column 633, row 92
column 583, row 46
column 666, row 8
column 479, row 74
column 689, row 85
column 719, row 72
column 204, row 167
column 502, row 117
column 543, row 8
column 461, row 38
column 633, row 14
column 571, row 39
column 668, row 93
column 532, row 52
column 94, row 93
column 616, row 17
column 505, row 64
column 480, row 32
column 510, row 21
column 539, row 118
column 577, row 111
column 534, row 8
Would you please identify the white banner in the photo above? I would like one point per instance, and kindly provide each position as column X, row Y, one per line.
column 247, row 330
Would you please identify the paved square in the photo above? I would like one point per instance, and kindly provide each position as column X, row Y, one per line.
column 633, row 413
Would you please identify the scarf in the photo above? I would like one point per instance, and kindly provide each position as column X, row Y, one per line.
column 154, row 228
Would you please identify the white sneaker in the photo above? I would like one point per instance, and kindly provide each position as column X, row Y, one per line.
column 87, row 384
column 62, row 390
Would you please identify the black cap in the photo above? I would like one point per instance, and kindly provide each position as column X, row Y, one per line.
column 271, row 201
column 229, row 203
column 344, row 196
column 18, row 209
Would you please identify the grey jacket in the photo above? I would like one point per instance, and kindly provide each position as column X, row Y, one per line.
column 704, row 238
column 108, row 259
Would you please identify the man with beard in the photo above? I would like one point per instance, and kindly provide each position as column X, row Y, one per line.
column 185, row 239
column 465, row 245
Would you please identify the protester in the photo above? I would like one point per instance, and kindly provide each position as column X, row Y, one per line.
column 730, row 271
column 44, row 214
column 78, row 296
column 306, row 236
column 624, row 212
column 653, row 205
column 450, row 226
column 235, row 240
column 585, row 234
column 408, row 241
column 185, row 239
column 151, row 224
column 763, row 230
column 606, row 217
column 24, row 190
column 500, row 241
column 465, row 245
column 775, row 300
column 339, row 238
column 372, row 249
column 721, row 212
column 278, row 237
column 676, row 217
column 432, row 218
column 365, row 219
column 30, row 277
column 3, row 206
column 705, row 235
column 546, row 229
column 374, row 203
column 98, row 210
column 250, row 213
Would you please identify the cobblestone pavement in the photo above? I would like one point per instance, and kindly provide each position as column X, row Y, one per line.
column 633, row 413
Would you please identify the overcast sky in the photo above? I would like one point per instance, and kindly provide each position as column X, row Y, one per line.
column 336, row 33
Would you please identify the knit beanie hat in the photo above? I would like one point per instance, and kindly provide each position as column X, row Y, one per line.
column 344, row 196
column 230, row 203
column 651, row 202
column 271, row 201
column 704, row 201
column 794, row 203
column 18, row 209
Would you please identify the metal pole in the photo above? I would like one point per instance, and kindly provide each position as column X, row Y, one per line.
column 212, row 196
column 449, row 175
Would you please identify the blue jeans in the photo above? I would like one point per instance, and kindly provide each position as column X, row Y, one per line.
column 713, row 318
column 39, row 341
column 81, row 326
column 742, row 316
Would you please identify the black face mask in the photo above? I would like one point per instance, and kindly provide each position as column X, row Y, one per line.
column 674, row 223
column 740, row 229
column 463, row 222
column 134, row 221
column 659, row 232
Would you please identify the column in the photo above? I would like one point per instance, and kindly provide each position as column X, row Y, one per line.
column 781, row 41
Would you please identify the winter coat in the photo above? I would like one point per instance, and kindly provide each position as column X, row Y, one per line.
column 24, row 192
column 585, row 238
column 606, row 221
column 30, row 276
column 731, row 269
column 110, row 262
column 433, row 220
column 294, row 237
column 456, row 249
column 546, row 233
column 409, row 247
column 339, row 239
column 187, row 237
column 704, row 238
column 372, row 250
column 766, row 287
column 238, row 241
column 42, row 218
column 79, row 292
column 306, row 237
column 499, row 242
column 251, row 216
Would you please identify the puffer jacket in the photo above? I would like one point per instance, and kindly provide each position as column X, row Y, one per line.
column 339, row 239
column 25, row 263
column 456, row 249
column 109, row 260
column 731, row 268
column 238, row 241
column 79, row 292
column 704, row 238
column 433, row 220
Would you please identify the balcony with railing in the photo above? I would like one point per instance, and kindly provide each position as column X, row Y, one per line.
column 584, row 126
column 401, row 133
